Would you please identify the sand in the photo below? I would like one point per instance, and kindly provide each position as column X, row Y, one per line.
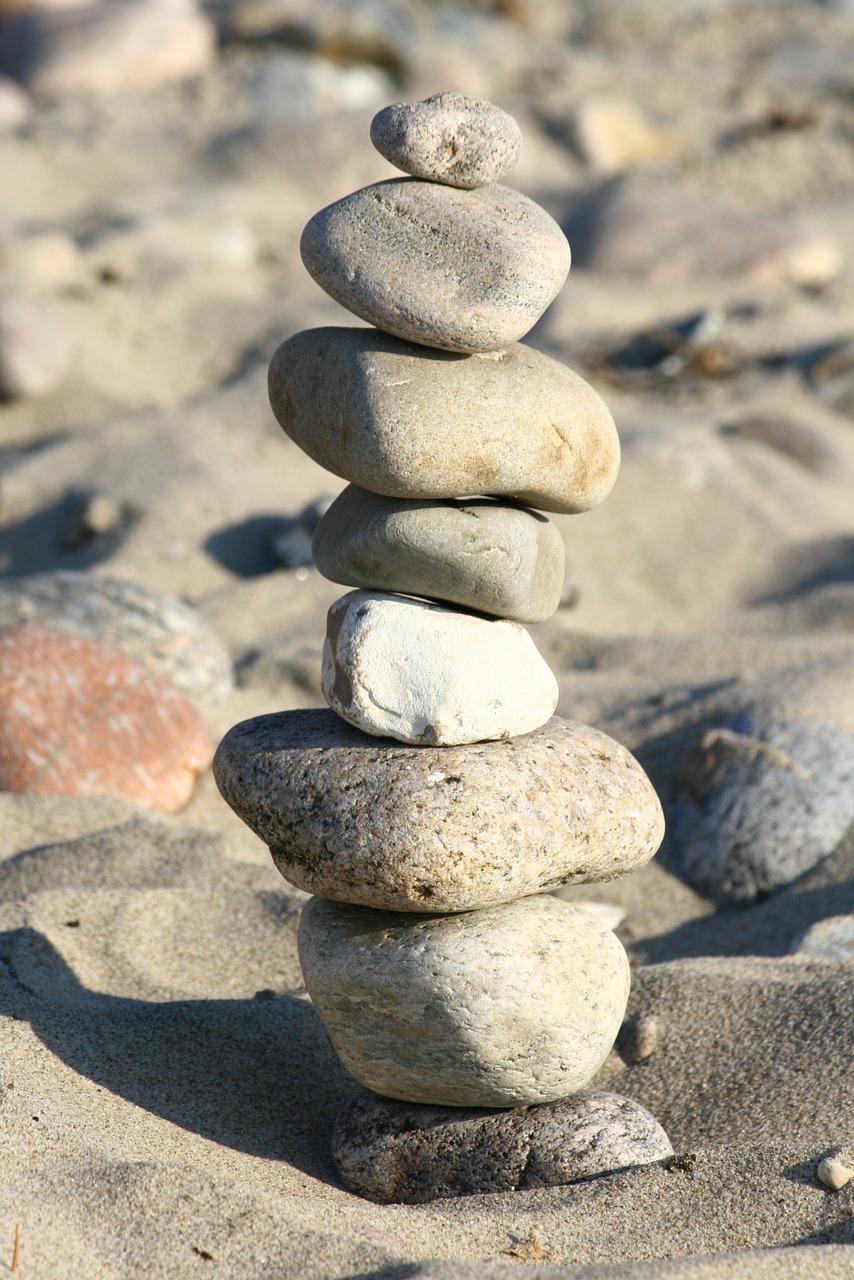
column 166, row 1090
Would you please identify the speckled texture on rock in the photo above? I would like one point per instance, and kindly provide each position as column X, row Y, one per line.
column 458, row 270
column 399, row 1152
column 164, row 633
column 79, row 718
column 424, row 674
column 490, row 556
column 379, row 823
column 450, row 138
column 515, row 1004
column 399, row 421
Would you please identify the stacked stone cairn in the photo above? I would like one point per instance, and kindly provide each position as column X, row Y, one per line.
column 437, row 803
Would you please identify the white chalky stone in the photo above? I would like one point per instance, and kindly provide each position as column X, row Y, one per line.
column 507, row 1006
column 400, row 668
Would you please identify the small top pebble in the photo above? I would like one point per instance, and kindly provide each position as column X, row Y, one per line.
column 449, row 138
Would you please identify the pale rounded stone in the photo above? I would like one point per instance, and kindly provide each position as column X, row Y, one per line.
column 375, row 822
column 400, row 1152
column 612, row 134
column 515, row 1004
column 451, row 138
column 400, row 668
column 484, row 555
column 835, row 1170
column 402, row 422
column 831, row 939
column 35, row 349
column 459, row 270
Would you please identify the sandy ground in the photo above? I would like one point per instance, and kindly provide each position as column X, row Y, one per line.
column 166, row 1092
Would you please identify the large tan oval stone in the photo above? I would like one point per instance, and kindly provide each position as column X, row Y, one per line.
column 373, row 821
column 515, row 1004
column 459, row 270
column 398, row 420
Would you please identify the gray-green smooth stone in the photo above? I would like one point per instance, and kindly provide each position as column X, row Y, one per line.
column 484, row 555
column 454, row 269
column 404, row 828
column 515, row 1004
column 401, row 421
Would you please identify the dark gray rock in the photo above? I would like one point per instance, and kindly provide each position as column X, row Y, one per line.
column 399, row 1152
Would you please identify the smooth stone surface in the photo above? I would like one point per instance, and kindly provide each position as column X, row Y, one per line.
column 442, row 828
column 166, row 634
column 831, row 939
column 399, row 1152
column 403, row 669
column 511, row 1005
column 35, row 349
column 458, row 270
column 450, row 138
column 397, row 420
column 79, row 718
column 484, row 555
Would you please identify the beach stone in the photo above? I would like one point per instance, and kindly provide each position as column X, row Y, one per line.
column 106, row 49
column 397, row 421
column 484, row 555
column 831, row 939
column 15, row 106
column 836, row 1170
column 400, row 1152
column 760, row 801
column 79, row 718
column 403, row 669
column 450, row 138
column 35, row 349
column 459, row 270
column 514, row 1004
column 169, row 636
column 611, row 134
column 40, row 259
column 457, row 827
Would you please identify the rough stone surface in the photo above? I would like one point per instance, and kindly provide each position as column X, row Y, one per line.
column 441, row 828
column 449, row 138
column 401, row 1152
column 484, row 555
column 761, row 801
column 515, row 1004
column 406, row 423
column 458, row 270
column 106, row 49
column 79, row 718
column 35, row 350
column 400, row 668
column 831, row 939
column 164, row 633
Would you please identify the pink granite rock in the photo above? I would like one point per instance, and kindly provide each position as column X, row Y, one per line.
column 80, row 718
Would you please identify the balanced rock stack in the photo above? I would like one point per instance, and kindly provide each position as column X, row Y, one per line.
column 443, row 971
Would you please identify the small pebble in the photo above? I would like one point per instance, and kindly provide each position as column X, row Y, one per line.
column 450, row 138
column 399, row 1152
column 404, row 669
column 439, row 1008
column 612, row 134
column 459, row 270
column 35, row 349
column 835, row 1171
column 15, row 106
column 831, row 939
column 638, row 1038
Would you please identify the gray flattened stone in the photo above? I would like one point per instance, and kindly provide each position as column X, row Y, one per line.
column 459, row 270
column 512, row 1005
column 489, row 556
column 406, row 1153
column 167, row 635
column 450, row 138
column 371, row 821
column 397, row 420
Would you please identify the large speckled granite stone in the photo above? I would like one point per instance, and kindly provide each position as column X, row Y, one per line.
column 459, row 270
column 371, row 821
column 450, row 138
column 485, row 555
column 421, row 673
column 408, row 423
column 400, row 1152
column 511, row 1005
